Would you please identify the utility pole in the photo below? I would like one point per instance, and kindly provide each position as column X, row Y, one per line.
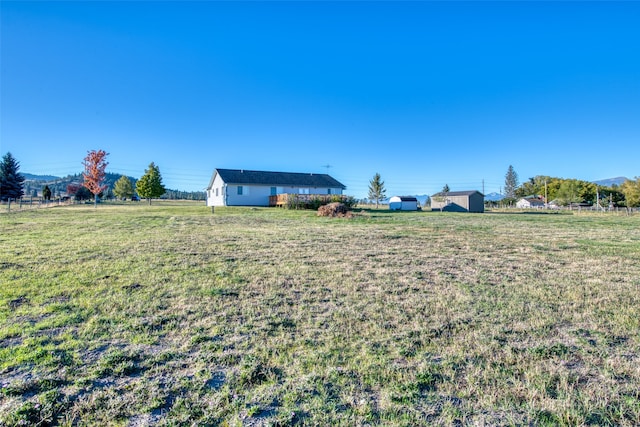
column 546, row 200
column 482, row 185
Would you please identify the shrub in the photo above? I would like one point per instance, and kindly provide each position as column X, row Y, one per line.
column 316, row 202
column 294, row 202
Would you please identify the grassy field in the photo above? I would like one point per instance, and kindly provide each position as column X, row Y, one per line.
column 169, row 315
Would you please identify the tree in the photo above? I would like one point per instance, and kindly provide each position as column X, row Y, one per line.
column 83, row 193
column 94, row 165
column 446, row 189
column 536, row 186
column 73, row 188
column 11, row 182
column 631, row 191
column 568, row 193
column 123, row 188
column 46, row 193
column 510, row 183
column 376, row 189
column 587, row 191
column 611, row 196
column 150, row 185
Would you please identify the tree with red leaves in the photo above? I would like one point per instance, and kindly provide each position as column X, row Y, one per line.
column 94, row 165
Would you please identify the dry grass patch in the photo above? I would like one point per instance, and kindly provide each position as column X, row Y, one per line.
column 170, row 315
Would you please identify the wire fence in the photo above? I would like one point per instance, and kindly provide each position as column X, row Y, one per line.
column 29, row 203
column 586, row 209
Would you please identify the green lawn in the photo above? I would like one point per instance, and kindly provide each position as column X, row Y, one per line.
column 168, row 315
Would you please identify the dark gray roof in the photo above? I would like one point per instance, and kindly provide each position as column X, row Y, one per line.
column 407, row 198
column 457, row 193
column 243, row 176
column 534, row 200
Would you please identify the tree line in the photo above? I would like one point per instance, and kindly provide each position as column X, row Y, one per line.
column 562, row 191
column 569, row 191
column 94, row 183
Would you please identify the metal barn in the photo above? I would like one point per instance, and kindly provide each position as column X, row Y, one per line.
column 458, row 201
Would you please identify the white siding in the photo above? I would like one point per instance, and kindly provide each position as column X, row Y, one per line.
column 220, row 193
column 252, row 195
column 216, row 192
column 396, row 203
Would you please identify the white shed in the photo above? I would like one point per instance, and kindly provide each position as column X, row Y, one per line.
column 403, row 203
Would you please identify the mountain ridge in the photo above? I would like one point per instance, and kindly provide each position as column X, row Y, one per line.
column 608, row 182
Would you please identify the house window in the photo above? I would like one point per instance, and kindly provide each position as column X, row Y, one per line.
column 216, row 192
column 304, row 191
column 239, row 190
column 274, row 191
column 328, row 191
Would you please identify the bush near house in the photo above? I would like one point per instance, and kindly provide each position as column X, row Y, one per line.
column 315, row 201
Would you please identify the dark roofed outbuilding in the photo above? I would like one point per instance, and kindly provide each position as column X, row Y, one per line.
column 458, row 201
column 403, row 203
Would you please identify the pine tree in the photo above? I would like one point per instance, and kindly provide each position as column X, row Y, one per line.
column 94, row 172
column 446, row 189
column 11, row 182
column 123, row 188
column 510, row 183
column 46, row 193
column 376, row 189
column 150, row 185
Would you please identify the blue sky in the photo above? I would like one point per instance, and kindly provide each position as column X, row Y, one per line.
column 425, row 93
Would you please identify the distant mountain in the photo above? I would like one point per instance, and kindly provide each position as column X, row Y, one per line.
column 109, row 179
column 611, row 181
column 493, row 197
column 45, row 178
column 58, row 185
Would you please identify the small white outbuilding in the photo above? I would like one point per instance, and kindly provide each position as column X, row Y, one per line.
column 530, row 202
column 403, row 203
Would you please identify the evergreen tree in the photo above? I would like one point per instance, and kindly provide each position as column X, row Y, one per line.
column 11, row 182
column 123, row 188
column 446, row 189
column 376, row 189
column 46, row 193
column 510, row 183
column 150, row 185
column 83, row 193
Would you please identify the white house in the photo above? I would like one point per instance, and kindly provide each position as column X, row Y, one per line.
column 241, row 187
column 530, row 202
column 403, row 203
